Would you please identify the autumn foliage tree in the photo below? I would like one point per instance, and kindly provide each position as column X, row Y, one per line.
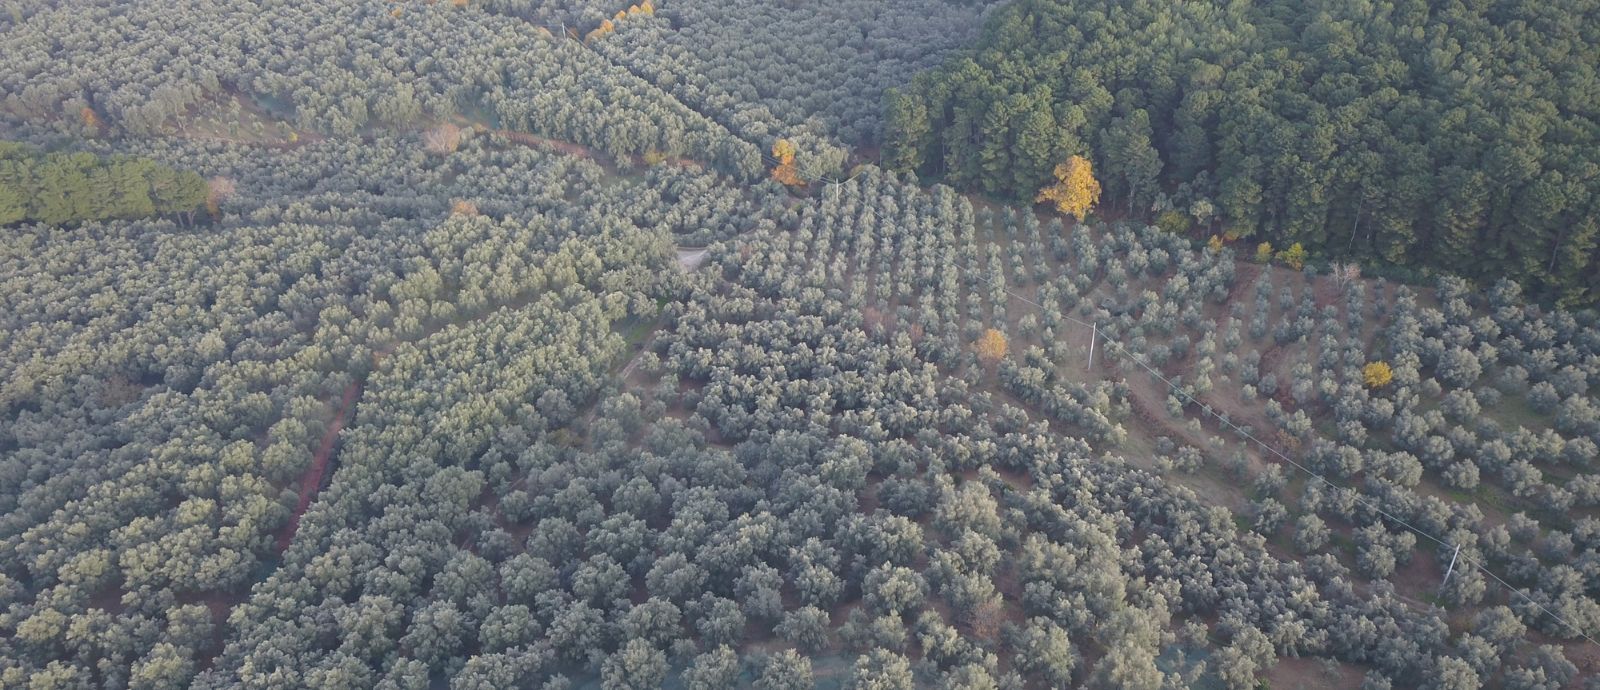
column 785, row 172
column 606, row 27
column 1294, row 257
column 91, row 121
column 992, row 346
column 1075, row 190
column 1377, row 374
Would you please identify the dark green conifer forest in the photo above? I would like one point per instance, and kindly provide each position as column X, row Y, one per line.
column 62, row 188
column 1459, row 136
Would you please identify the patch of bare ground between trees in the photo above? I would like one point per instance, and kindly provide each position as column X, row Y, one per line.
column 1151, row 423
column 1313, row 673
column 691, row 258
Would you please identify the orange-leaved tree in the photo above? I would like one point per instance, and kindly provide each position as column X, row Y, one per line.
column 1075, row 190
column 90, row 120
column 606, row 27
column 785, row 172
column 992, row 346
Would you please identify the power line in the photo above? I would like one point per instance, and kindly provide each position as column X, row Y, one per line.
column 837, row 185
column 825, row 179
column 1355, row 494
column 1246, row 434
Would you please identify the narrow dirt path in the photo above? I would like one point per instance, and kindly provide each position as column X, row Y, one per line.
column 311, row 479
column 631, row 364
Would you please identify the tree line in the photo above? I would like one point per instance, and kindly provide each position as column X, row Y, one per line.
column 63, row 187
column 1457, row 137
column 810, row 73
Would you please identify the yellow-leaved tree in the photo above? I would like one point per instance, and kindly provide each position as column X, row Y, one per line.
column 1294, row 256
column 1075, row 190
column 1377, row 374
column 785, row 172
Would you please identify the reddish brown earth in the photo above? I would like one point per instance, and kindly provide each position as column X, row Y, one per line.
column 311, row 480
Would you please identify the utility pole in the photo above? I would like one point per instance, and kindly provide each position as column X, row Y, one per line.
column 838, row 183
column 1451, row 569
column 1094, row 335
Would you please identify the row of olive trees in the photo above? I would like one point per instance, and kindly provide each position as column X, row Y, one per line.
column 837, row 254
column 811, row 74
column 99, row 68
column 165, row 389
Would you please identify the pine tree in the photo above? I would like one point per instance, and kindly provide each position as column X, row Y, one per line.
column 906, row 131
column 1131, row 156
column 182, row 191
column 1036, row 140
column 13, row 202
